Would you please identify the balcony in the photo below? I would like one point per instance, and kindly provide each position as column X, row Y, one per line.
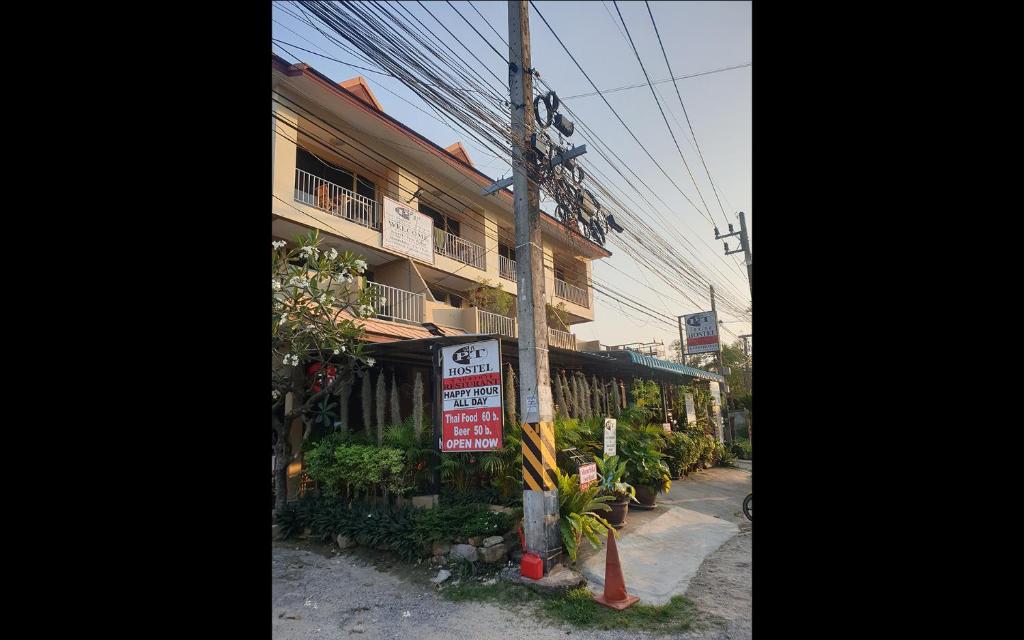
column 336, row 200
column 495, row 323
column 396, row 304
column 572, row 293
column 561, row 339
column 507, row 268
column 456, row 248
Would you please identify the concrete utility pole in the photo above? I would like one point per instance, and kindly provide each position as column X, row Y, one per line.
column 750, row 383
column 540, row 496
column 744, row 248
column 721, row 369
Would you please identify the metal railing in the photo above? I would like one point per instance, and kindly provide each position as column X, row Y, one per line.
column 336, row 200
column 391, row 303
column 561, row 339
column 507, row 268
column 456, row 248
column 495, row 323
column 572, row 293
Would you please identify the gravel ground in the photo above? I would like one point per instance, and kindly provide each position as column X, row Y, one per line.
column 322, row 593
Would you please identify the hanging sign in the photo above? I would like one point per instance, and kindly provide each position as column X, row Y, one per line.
column 691, row 412
column 407, row 231
column 471, row 404
column 701, row 332
column 609, row 437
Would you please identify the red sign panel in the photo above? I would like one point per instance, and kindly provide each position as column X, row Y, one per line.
column 588, row 475
column 472, row 417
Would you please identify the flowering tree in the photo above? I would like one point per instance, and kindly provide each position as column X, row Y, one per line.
column 309, row 334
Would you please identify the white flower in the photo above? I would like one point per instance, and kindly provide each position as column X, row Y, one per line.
column 344, row 348
column 277, row 244
column 298, row 281
column 360, row 265
column 322, row 298
column 365, row 310
column 276, row 284
column 308, row 251
column 276, row 394
column 332, row 254
column 370, row 362
column 336, row 352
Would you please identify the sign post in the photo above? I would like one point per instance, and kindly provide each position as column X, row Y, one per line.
column 691, row 411
column 609, row 436
column 472, row 417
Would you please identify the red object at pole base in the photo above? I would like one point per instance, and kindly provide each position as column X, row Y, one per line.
column 531, row 566
column 615, row 595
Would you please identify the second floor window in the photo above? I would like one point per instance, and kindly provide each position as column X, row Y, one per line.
column 441, row 221
column 506, row 251
column 314, row 165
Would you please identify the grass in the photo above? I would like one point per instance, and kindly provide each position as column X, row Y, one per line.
column 578, row 608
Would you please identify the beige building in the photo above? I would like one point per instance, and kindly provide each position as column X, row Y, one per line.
column 343, row 166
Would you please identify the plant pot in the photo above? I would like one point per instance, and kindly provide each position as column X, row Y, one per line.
column 617, row 516
column 647, row 497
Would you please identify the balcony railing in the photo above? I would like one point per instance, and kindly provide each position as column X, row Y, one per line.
column 507, row 268
column 561, row 339
column 572, row 293
column 456, row 248
column 396, row 304
column 495, row 323
column 336, row 200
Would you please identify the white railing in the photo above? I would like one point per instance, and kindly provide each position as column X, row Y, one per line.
column 561, row 339
column 396, row 304
column 336, row 200
column 572, row 293
column 456, row 248
column 507, row 268
column 495, row 323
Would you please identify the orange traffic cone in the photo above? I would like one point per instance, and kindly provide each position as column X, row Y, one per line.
column 615, row 595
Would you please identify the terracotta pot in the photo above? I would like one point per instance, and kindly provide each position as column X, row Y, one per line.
column 647, row 496
column 617, row 516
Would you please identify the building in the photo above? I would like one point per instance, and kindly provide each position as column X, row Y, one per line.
column 341, row 164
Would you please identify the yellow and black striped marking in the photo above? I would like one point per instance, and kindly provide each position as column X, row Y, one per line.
column 539, row 456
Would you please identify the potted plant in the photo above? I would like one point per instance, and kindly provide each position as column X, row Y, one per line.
column 648, row 473
column 578, row 518
column 611, row 470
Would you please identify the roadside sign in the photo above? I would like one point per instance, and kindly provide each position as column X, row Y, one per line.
column 716, row 410
column 666, row 427
column 471, row 403
column 609, row 436
column 701, row 332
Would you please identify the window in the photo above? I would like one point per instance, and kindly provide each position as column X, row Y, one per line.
column 441, row 221
column 560, row 274
column 506, row 251
column 316, row 166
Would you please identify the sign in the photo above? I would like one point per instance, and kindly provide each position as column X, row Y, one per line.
column 701, row 332
column 471, row 411
column 407, row 231
column 691, row 412
column 716, row 410
column 588, row 475
column 609, row 437
column 666, row 427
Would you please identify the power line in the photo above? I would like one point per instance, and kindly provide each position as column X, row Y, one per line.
column 645, row 84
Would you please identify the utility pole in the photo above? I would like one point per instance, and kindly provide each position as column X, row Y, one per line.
column 744, row 248
column 750, row 384
column 682, row 345
column 540, row 496
column 721, row 369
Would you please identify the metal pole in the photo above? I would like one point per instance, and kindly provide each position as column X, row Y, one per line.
column 540, row 496
column 721, row 370
column 745, row 242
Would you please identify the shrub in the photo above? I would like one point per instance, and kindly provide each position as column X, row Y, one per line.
column 681, row 453
column 358, row 469
column 741, row 448
column 723, row 453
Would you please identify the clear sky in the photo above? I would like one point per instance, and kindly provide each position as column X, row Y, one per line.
column 698, row 37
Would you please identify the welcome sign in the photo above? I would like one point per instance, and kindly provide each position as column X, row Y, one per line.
column 471, row 407
column 407, row 231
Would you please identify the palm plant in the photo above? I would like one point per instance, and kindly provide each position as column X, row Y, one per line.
column 611, row 470
column 578, row 514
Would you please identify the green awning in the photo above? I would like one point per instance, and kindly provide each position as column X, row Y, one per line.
column 665, row 365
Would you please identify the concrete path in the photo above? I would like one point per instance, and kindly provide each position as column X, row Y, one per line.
column 659, row 558
column 661, row 550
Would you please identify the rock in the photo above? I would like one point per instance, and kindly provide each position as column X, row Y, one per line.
column 440, row 561
column 474, row 541
column 441, row 576
column 344, row 542
column 558, row 581
column 441, row 548
column 493, row 540
column 466, row 551
column 495, row 553
column 425, row 502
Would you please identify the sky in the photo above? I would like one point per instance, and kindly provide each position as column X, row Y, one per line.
column 698, row 37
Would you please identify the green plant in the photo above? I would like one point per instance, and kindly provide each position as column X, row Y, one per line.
column 741, row 448
column 611, row 470
column 492, row 298
column 680, row 453
column 644, row 465
column 578, row 517
column 358, row 469
column 578, row 608
column 723, row 454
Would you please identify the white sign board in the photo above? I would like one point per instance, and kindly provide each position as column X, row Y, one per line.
column 588, row 475
column 609, row 436
column 691, row 412
column 471, row 411
column 716, row 410
column 701, row 332
column 407, row 231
